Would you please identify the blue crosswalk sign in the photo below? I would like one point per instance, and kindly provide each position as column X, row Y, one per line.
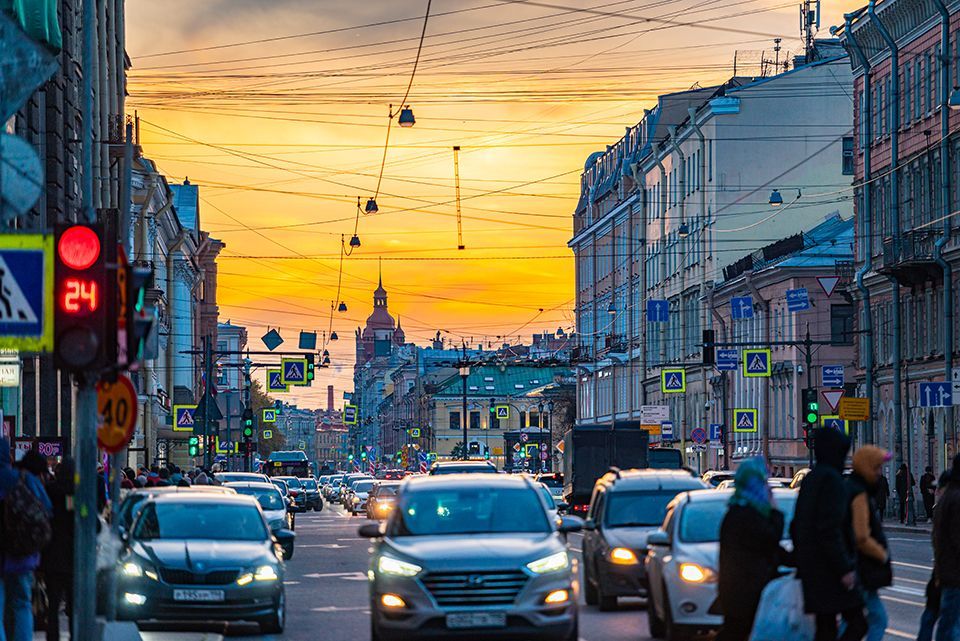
column 745, row 420
column 293, row 371
column 797, row 300
column 756, row 362
column 673, row 381
column 658, row 311
column 741, row 307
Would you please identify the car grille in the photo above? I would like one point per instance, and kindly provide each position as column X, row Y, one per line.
column 456, row 589
column 186, row 577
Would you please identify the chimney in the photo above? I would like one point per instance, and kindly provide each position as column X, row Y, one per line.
column 329, row 398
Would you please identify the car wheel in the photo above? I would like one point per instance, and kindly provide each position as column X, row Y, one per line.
column 589, row 589
column 275, row 622
column 657, row 630
column 672, row 631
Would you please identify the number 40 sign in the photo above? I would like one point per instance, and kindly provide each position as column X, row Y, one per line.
column 117, row 409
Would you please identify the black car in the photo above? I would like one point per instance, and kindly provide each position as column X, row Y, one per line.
column 203, row 557
column 626, row 507
column 296, row 490
column 312, row 490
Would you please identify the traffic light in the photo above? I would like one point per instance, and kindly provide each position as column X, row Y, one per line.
column 811, row 408
column 248, row 423
column 193, row 447
column 310, row 366
column 81, row 295
column 363, row 456
column 139, row 316
column 709, row 350
column 350, row 457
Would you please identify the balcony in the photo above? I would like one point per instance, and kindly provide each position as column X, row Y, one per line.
column 909, row 259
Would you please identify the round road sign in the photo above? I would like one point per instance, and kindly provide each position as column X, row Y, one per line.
column 117, row 409
column 524, row 437
column 698, row 435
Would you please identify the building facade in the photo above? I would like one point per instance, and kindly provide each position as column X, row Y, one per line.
column 707, row 175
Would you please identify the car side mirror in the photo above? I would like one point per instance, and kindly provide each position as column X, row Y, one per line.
column 370, row 531
column 570, row 524
column 563, row 507
column 659, row 538
column 589, row 525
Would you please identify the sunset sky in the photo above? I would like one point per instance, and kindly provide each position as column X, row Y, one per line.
column 278, row 109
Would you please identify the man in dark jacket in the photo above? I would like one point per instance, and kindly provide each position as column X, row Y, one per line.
column 824, row 543
column 928, row 485
column 904, row 483
column 946, row 555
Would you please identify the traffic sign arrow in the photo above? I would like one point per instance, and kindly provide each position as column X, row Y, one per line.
column 832, row 397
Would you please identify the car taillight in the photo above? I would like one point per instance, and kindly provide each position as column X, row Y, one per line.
column 294, row 493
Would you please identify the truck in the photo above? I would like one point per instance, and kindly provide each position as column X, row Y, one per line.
column 589, row 451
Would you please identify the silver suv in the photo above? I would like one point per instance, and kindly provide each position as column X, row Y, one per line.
column 466, row 555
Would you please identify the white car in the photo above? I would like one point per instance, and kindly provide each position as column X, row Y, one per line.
column 682, row 560
column 358, row 495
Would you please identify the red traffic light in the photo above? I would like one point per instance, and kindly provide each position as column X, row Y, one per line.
column 78, row 247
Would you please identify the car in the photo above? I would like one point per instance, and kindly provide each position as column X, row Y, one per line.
column 549, row 502
column 464, row 557
column 291, row 504
column 203, row 557
column 391, row 475
column 233, row 477
column 798, row 478
column 382, row 499
column 312, row 490
column 332, row 481
column 134, row 499
column 297, row 491
column 274, row 506
column 463, row 467
column 346, row 487
column 358, row 494
column 683, row 557
column 715, row 477
column 625, row 508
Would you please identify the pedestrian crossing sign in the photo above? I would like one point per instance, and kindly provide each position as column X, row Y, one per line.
column 267, row 435
column 183, row 418
column 673, row 381
column 745, row 420
column 503, row 412
column 836, row 423
column 269, row 415
column 275, row 382
column 756, row 362
column 293, row 371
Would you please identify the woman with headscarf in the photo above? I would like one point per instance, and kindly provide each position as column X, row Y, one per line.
column 750, row 551
column 873, row 557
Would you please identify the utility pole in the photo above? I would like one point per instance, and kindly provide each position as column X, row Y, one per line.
column 464, row 373
column 207, row 373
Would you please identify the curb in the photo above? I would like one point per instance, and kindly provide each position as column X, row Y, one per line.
column 908, row 529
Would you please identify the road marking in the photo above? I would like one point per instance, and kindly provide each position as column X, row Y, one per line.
column 913, row 565
column 904, row 601
column 353, row 540
column 329, row 546
column 576, row 549
column 904, row 590
column 912, row 580
column 919, row 538
column 291, row 583
column 898, row 633
column 333, row 575
column 336, row 608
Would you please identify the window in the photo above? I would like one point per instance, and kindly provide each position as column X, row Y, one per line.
column 454, row 420
column 847, row 164
column 907, row 104
column 475, row 420
column 710, row 160
column 841, row 324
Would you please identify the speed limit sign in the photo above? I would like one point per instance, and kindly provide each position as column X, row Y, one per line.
column 117, row 409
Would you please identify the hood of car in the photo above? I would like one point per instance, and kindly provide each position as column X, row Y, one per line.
column 274, row 515
column 203, row 555
column 474, row 551
column 634, row 538
column 706, row 554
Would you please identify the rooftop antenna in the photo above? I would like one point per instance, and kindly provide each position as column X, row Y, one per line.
column 809, row 26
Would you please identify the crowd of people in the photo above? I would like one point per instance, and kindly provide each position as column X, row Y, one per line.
column 37, row 534
column 839, row 548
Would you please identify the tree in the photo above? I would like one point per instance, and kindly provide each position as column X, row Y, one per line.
column 258, row 401
column 457, row 452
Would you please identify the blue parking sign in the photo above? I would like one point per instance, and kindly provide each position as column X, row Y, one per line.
column 716, row 432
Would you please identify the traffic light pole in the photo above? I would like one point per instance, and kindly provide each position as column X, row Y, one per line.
column 207, row 373
column 85, row 512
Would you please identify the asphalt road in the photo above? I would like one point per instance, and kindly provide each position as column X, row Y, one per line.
column 327, row 588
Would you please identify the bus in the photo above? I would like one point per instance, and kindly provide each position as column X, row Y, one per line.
column 288, row 463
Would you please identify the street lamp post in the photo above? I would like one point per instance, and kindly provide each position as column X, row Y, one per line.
column 464, row 373
column 540, row 442
column 550, row 435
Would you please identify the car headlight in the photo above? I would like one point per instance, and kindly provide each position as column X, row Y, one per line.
column 623, row 556
column 356, row 499
column 396, row 567
column 553, row 563
column 266, row 573
column 696, row 573
column 134, row 569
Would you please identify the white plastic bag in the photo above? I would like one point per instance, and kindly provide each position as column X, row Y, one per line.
column 780, row 615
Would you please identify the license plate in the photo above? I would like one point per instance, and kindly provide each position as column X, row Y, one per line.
column 198, row 595
column 476, row 620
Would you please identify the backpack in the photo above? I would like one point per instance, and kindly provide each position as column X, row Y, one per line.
column 26, row 525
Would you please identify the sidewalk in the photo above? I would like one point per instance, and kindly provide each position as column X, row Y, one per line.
column 922, row 527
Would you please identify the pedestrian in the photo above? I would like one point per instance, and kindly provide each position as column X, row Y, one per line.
column 904, row 485
column 931, row 610
column 928, row 485
column 25, row 530
column 873, row 556
column 882, row 494
column 946, row 555
column 823, row 542
column 750, row 551
column 56, row 560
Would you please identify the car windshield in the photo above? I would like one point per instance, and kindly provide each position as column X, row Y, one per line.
column 637, row 509
column 386, row 490
column 293, row 483
column 469, row 510
column 362, row 486
column 465, row 469
column 268, row 499
column 700, row 521
column 547, row 497
column 213, row 521
column 310, row 484
column 128, row 509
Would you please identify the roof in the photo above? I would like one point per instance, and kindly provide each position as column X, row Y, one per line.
column 204, row 497
column 514, row 380
column 287, row 455
column 254, row 485
column 656, row 479
column 702, row 496
column 186, row 200
column 452, row 481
